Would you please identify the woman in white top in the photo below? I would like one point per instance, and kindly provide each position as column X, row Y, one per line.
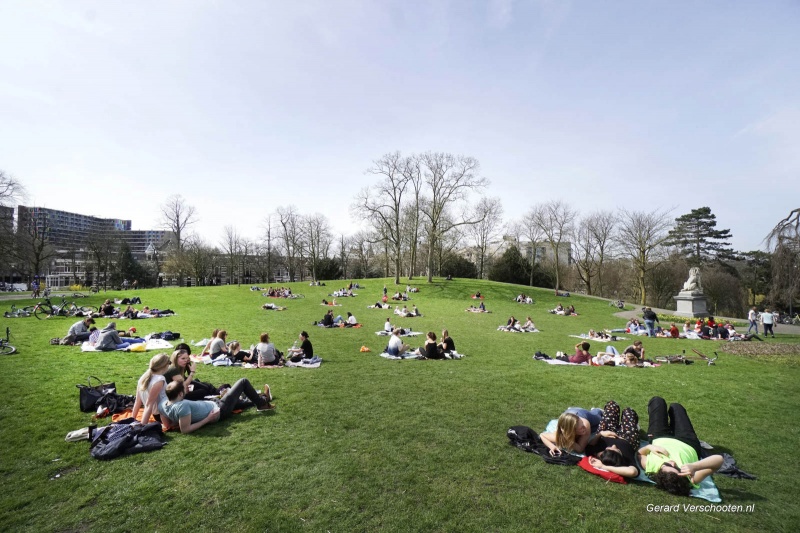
column 151, row 389
column 267, row 355
column 217, row 346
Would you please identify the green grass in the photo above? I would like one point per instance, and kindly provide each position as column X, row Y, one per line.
column 365, row 444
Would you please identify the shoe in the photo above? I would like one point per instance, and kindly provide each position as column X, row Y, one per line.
column 267, row 392
column 265, row 407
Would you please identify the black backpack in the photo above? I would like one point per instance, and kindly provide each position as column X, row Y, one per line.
column 528, row 440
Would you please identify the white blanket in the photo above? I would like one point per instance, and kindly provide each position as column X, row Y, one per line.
column 152, row 344
column 409, row 334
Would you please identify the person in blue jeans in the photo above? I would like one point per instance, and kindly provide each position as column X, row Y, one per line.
column 190, row 415
column 650, row 319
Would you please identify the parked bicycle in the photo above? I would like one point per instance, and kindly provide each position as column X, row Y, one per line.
column 18, row 313
column 619, row 304
column 5, row 347
column 47, row 309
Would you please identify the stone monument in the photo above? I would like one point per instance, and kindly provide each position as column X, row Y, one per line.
column 690, row 301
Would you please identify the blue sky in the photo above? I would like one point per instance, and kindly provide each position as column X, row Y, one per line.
column 109, row 107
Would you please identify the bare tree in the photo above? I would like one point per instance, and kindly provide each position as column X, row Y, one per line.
column 490, row 227
column 529, row 229
column 602, row 225
column 177, row 216
column 412, row 170
column 316, row 240
column 200, row 258
column 231, row 247
column 344, row 254
column 382, row 203
column 102, row 247
column 11, row 189
column 448, row 180
column 641, row 236
column 592, row 242
column 784, row 241
column 556, row 222
column 290, row 235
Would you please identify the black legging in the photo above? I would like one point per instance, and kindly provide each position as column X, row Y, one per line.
column 672, row 423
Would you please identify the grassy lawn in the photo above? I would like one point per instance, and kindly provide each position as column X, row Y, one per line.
column 365, row 444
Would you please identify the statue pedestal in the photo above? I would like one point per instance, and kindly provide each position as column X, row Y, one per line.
column 691, row 304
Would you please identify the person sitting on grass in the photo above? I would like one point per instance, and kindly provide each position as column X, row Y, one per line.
column 529, row 325
column 387, row 326
column 108, row 309
column 235, row 353
column 268, row 356
column 150, row 389
column 430, row 350
column 305, row 351
column 396, row 345
column 79, row 331
column 636, row 349
column 672, row 460
column 351, row 320
column 109, row 339
column 190, row 415
column 447, row 345
column 217, row 346
column 573, row 431
column 205, row 350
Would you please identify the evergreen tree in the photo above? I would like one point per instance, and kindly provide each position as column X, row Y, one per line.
column 697, row 238
column 511, row 267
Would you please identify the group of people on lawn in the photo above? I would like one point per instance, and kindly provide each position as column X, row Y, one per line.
column 429, row 350
column 673, row 459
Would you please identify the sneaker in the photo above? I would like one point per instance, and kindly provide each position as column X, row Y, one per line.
column 265, row 407
column 267, row 392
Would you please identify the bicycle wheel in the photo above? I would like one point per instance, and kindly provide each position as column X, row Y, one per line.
column 88, row 309
column 28, row 309
column 7, row 349
column 42, row 312
column 79, row 295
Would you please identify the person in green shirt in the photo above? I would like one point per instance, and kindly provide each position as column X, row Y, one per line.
column 672, row 460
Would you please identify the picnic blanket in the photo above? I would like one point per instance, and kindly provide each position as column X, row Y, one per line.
column 707, row 489
column 386, row 306
column 409, row 334
column 506, row 328
column 314, row 362
column 559, row 362
column 609, row 339
column 152, row 344
column 413, row 356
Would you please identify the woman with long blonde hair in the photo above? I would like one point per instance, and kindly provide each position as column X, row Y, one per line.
column 575, row 427
column 151, row 388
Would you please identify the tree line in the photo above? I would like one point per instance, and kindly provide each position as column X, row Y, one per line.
column 424, row 215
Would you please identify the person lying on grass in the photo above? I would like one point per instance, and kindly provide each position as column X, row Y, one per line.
column 150, row 388
column 379, row 305
column 272, row 307
column 479, row 309
column 190, row 415
column 614, row 447
column 582, row 354
column 672, row 460
column 575, row 427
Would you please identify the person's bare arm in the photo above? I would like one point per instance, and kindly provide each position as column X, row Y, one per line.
column 549, row 440
column 186, row 426
column 699, row 470
column 624, row 471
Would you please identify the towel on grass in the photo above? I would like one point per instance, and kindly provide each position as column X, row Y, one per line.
column 314, row 362
column 152, row 344
column 409, row 334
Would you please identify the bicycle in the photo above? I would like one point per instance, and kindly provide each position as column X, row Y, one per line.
column 5, row 347
column 619, row 304
column 46, row 309
column 18, row 313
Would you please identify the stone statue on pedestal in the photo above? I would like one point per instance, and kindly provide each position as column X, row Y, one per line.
column 693, row 284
